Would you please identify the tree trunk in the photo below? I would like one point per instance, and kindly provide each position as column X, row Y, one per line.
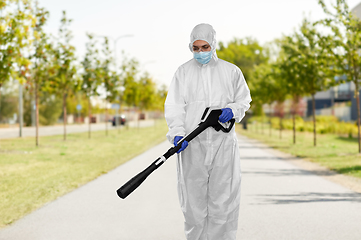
column 119, row 113
column 89, row 116
column 314, row 119
column 358, row 115
column 294, row 128
column 280, row 115
column 294, row 111
column 270, row 121
column 270, row 126
column 36, row 115
column 280, row 127
column 0, row 95
column 0, row 98
column 106, row 119
column 138, row 118
column 21, row 115
column 64, row 114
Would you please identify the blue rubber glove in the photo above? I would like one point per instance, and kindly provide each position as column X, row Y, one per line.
column 226, row 115
column 184, row 144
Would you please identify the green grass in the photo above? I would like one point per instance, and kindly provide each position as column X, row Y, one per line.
column 332, row 151
column 31, row 176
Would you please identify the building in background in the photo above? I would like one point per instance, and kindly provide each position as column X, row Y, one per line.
column 338, row 101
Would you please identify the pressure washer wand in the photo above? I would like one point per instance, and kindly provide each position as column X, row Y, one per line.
column 209, row 119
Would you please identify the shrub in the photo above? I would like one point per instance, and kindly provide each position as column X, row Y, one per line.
column 324, row 124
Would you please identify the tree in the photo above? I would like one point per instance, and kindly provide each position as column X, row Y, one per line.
column 72, row 101
column 106, row 78
column 42, row 69
column 245, row 53
column 160, row 96
column 27, row 105
column 147, row 88
column 129, row 77
column 291, row 70
column 344, row 44
column 14, row 34
column 110, row 79
column 50, row 108
column 91, row 76
column 7, row 36
column 64, row 80
column 266, row 92
column 311, row 62
column 280, row 96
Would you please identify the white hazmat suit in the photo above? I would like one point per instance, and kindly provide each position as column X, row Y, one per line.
column 209, row 174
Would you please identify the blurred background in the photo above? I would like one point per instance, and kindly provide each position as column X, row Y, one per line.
column 85, row 65
column 87, row 61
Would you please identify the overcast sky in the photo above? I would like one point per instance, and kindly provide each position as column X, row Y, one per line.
column 161, row 28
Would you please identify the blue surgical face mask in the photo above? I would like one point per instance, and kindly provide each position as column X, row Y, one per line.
column 203, row 57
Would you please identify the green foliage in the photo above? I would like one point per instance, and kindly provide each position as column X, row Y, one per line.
column 43, row 69
column 129, row 76
column 49, row 109
column 14, row 35
column 313, row 56
column 245, row 53
column 73, row 100
column 64, row 58
column 345, row 40
column 262, row 76
column 147, row 92
column 160, row 97
column 91, row 77
column 110, row 79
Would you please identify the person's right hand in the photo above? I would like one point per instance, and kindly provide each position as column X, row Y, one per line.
column 184, row 144
column 226, row 115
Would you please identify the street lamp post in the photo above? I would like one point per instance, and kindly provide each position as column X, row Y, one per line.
column 20, row 110
column 115, row 45
column 115, row 48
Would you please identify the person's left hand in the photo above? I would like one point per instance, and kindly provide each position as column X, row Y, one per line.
column 226, row 115
column 184, row 144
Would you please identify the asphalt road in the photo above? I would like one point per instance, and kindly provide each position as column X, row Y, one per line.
column 279, row 201
column 13, row 132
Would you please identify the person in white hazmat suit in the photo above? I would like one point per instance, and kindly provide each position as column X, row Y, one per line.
column 209, row 174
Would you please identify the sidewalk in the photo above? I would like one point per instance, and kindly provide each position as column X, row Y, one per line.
column 280, row 201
